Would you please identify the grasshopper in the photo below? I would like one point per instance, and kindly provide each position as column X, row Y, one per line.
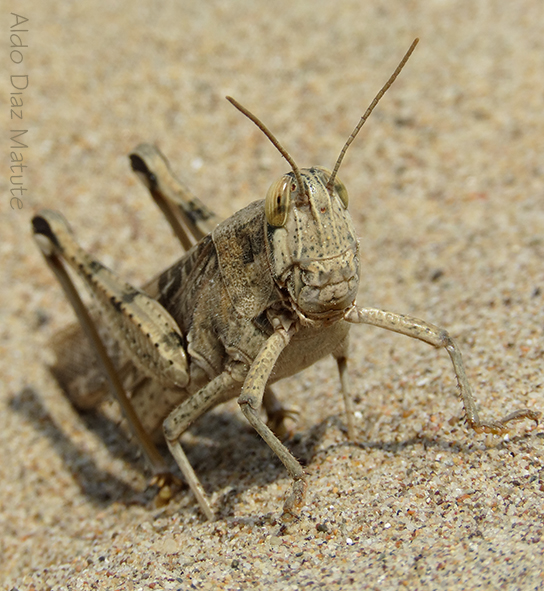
column 256, row 298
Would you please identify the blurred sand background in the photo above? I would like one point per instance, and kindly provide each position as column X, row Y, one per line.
column 446, row 184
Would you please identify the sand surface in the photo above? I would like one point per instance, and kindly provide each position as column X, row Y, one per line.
column 446, row 187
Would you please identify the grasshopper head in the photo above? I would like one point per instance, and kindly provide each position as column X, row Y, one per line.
column 312, row 241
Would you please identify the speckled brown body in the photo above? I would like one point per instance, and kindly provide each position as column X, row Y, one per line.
column 223, row 307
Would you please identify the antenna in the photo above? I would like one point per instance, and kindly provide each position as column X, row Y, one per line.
column 272, row 138
column 376, row 100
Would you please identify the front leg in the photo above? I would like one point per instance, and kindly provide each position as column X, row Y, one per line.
column 250, row 402
column 428, row 333
column 179, row 421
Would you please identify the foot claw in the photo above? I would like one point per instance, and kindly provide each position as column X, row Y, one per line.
column 501, row 427
column 276, row 422
column 295, row 501
column 167, row 484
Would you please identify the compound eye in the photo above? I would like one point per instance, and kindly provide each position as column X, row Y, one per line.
column 276, row 205
column 341, row 191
